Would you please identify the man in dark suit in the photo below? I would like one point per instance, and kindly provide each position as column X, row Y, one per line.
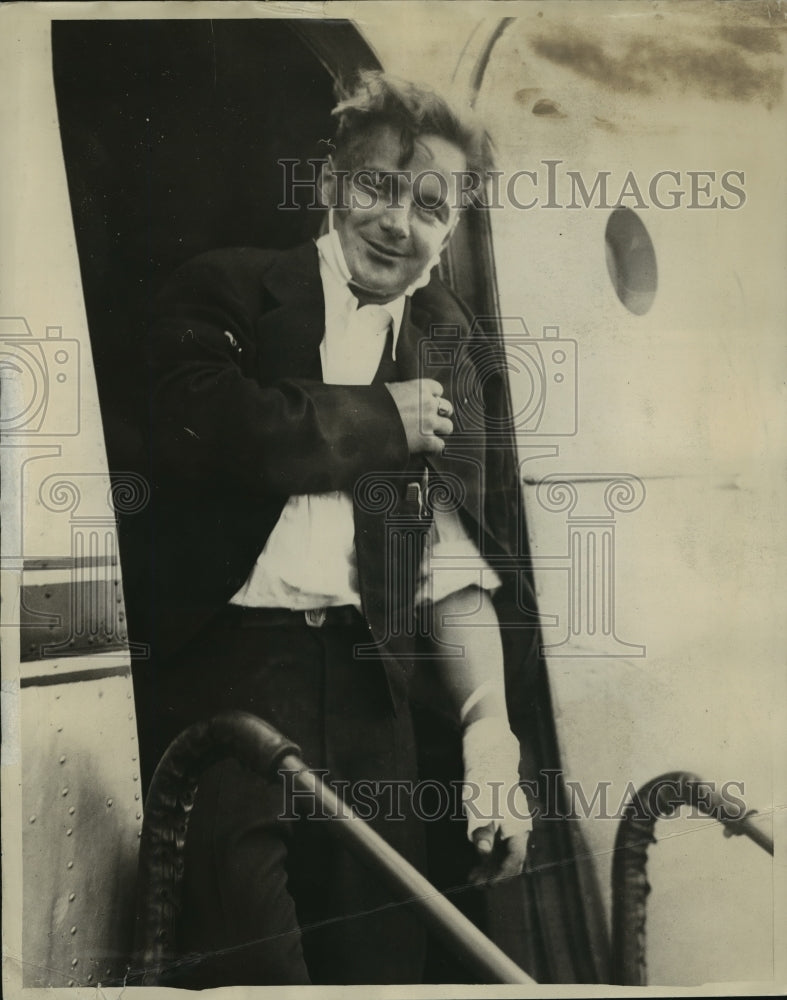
column 295, row 430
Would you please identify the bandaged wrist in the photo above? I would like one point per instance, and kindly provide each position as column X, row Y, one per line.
column 491, row 792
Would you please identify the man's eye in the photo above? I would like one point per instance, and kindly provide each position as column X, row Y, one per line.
column 381, row 182
column 435, row 213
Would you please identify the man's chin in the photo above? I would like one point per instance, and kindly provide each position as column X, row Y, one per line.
column 380, row 291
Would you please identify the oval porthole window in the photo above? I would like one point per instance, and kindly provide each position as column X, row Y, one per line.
column 631, row 260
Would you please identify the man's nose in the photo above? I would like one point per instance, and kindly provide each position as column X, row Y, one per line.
column 395, row 220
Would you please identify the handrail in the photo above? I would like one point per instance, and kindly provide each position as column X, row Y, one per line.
column 630, row 887
column 258, row 746
column 166, row 818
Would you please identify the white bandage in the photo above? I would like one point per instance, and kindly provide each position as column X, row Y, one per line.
column 473, row 699
column 491, row 792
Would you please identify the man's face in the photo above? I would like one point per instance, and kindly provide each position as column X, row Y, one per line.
column 390, row 231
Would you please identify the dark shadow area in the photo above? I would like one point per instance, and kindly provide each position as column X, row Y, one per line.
column 171, row 132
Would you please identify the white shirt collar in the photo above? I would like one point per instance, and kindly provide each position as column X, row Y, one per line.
column 330, row 250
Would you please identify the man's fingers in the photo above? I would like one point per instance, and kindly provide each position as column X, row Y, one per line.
column 484, row 838
column 432, row 445
column 480, row 876
column 432, row 386
column 513, row 861
column 424, row 412
column 498, row 859
column 443, row 426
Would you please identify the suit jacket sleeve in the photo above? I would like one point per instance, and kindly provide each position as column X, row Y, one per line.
column 215, row 414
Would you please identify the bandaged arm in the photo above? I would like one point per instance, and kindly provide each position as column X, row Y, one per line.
column 472, row 681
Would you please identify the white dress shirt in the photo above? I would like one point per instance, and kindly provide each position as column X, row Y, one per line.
column 309, row 559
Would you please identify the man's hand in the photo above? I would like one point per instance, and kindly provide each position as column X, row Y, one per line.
column 497, row 811
column 498, row 859
column 424, row 414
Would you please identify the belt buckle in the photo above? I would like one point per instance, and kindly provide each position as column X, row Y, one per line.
column 315, row 617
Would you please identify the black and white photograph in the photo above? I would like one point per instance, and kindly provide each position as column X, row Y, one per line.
column 393, row 426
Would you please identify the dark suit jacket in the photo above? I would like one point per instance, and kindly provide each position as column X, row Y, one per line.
column 240, row 420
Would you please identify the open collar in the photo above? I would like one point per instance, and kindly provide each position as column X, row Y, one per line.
column 336, row 279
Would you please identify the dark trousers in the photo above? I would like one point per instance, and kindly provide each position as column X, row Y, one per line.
column 280, row 901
